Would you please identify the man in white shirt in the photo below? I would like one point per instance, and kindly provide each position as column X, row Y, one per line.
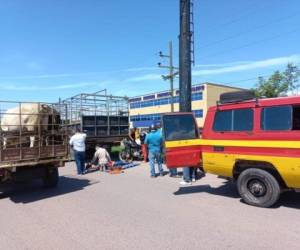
column 77, row 142
column 101, row 157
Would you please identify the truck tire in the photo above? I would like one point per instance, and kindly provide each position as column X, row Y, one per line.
column 258, row 187
column 51, row 177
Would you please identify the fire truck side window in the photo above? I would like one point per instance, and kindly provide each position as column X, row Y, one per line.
column 180, row 127
column 233, row 120
column 276, row 118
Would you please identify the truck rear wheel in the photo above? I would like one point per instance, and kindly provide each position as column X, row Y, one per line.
column 51, row 177
column 258, row 187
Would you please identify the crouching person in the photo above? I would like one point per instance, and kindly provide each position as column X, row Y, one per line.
column 101, row 158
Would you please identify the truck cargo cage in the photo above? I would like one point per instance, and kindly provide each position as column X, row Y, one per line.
column 32, row 132
column 98, row 114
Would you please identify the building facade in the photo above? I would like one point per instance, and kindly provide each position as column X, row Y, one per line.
column 147, row 109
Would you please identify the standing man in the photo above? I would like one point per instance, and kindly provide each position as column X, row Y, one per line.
column 154, row 143
column 77, row 142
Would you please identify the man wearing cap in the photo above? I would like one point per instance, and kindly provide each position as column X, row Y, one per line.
column 154, row 143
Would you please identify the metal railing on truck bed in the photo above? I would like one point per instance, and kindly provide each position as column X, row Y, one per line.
column 32, row 133
column 98, row 114
column 104, row 118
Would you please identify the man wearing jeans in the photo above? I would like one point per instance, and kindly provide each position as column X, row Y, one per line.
column 77, row 142
column 154, row 143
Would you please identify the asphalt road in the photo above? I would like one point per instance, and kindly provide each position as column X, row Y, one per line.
column 133, row 211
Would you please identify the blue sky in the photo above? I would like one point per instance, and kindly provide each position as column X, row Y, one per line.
column 58, row 48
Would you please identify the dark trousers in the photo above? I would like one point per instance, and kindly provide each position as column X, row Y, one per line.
column 80, row 161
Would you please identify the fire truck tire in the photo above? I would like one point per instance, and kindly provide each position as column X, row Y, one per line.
column 51, row 177
column 258, row 187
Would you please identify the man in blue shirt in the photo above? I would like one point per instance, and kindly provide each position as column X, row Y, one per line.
column 154, row 142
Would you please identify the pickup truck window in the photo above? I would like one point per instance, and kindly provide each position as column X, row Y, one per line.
column 277, row 118
column 233, row 120
column 180, row 127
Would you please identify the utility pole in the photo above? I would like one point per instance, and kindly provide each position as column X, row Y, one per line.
column 172, row 74
column 185, row 55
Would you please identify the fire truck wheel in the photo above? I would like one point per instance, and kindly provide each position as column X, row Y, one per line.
column 51, row 177
column 258, row 187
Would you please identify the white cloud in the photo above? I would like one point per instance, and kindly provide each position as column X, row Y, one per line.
column 213, row 65
column 36, row 66
column 140, row 69
column 249, row 66
column 15, row 87
column 46, row 76
column 147, row 77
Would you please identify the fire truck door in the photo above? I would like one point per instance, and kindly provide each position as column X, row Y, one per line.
column 181, row 140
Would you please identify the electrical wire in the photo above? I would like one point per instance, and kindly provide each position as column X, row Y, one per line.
column 249, row 30
column 236, row 20
column 252, row 43
column 249, row 79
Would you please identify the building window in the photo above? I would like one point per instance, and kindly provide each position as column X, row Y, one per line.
column 198, row 113
column 135, row 99
column 149, row 97
column 162, row 101
column 197, row 96
column 163, row 94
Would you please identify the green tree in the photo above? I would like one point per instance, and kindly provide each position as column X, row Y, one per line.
column 291, row 75
column 279, row 83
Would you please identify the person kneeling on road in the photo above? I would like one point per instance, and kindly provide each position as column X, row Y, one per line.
column 154, row 143
column 101, row 158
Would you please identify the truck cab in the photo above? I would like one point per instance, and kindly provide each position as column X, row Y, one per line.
column 256, row 142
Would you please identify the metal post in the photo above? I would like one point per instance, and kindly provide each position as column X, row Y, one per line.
column 171, row 75
column 185, row 76
column 20, row 130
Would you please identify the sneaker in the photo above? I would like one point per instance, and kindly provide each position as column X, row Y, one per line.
column 184, row 183
column 161, row 174
column 193, row 180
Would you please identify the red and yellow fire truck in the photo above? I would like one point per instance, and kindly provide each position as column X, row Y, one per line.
column 256, row 142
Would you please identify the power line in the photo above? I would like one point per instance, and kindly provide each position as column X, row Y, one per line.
column 248, row 13
column 249, row 79
column 253, row 43
column 249, row 30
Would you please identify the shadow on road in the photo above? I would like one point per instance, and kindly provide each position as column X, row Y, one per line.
column 228, row 189
column 31, row 192
column 289, row 199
